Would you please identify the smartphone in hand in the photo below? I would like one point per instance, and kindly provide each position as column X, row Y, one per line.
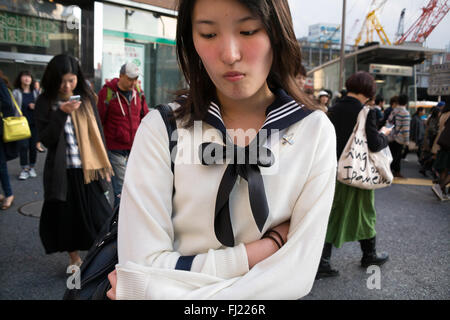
column 387, row 129
column 75, row 98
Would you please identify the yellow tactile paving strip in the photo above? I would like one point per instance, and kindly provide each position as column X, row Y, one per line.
column 413, row 181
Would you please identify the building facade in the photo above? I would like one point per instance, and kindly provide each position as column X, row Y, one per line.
column 103, row 35
column 145, row 35
column 325, row 32
column 393, row 67
column 32, row 32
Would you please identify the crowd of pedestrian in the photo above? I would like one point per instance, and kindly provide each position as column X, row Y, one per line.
column 418, row 133
column 87, row 138
column 353, row 216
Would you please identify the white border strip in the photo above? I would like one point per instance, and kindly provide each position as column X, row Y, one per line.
column 144, row 6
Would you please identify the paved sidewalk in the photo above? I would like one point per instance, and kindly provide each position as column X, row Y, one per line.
column 412, row 226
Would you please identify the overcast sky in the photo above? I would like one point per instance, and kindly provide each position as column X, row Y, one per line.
column 306, row 12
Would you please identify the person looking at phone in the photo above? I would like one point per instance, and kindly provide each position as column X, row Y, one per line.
column 76, row 167
column 122, row 106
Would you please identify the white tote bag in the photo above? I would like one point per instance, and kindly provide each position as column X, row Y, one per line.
column 358, row 166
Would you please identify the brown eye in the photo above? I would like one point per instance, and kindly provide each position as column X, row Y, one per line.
column 208, row 35
column 249, row 33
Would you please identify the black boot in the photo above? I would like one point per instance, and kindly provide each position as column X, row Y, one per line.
column 370, row 256
column 325, row 269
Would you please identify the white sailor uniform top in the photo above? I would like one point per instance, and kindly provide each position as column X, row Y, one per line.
column 190, row 244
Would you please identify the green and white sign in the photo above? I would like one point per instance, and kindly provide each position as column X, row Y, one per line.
column 26, row 30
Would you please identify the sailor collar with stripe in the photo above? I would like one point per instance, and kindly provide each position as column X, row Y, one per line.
column 282, row 113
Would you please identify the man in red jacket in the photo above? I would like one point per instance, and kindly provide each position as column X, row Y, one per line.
column 121, row 105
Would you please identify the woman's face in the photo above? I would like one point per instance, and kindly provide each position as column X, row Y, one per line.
column 323, row 100
column 234, row 47
column 68, row 84
column 25, row 80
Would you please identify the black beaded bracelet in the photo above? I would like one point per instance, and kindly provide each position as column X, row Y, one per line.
column 278, row 234
column 274, row 240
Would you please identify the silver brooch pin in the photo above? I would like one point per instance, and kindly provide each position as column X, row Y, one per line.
column 288, row 138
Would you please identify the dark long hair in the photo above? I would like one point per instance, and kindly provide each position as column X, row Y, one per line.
column 287, row 63
column 18, row 81
column 59, row 66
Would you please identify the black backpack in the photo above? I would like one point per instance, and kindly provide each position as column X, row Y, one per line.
column 102, row 258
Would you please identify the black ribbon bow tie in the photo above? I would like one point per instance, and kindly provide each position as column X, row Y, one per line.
column 244, row 162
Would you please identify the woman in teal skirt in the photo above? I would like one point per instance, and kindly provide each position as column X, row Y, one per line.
column 353, row 214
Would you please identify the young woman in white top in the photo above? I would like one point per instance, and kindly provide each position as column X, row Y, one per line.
column 246, row 223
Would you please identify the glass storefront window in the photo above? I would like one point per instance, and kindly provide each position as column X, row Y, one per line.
column 165, row 75
column 32, row 32
column 142, row 37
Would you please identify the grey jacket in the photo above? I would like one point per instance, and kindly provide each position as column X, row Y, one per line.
column 17, row 93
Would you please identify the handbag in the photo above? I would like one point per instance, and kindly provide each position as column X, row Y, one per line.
column 102, row 257
column 15, row 128
column 412, row 146
column 358, row 166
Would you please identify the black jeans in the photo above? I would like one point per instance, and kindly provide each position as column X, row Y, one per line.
column 4, row 176
column 28, row 147
column 396, row 150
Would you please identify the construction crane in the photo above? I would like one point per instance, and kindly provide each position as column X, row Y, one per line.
column 431, row 15
column 401, row 25
column 371, row 24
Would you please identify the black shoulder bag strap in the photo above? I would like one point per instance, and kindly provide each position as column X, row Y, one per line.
column 171, row 126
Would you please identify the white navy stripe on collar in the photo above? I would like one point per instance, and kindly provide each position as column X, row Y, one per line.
column 215, row 111
column 282, row 113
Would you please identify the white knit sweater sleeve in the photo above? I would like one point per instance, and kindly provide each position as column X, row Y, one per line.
column 287, row 274
column 146, row 234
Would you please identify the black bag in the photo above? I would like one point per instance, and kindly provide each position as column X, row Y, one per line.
column 11, row 149
column 102, row 256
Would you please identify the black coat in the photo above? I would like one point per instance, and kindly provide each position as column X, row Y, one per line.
column 7, row 109
column 344, row 114
column 417, row 129
column 50, row 122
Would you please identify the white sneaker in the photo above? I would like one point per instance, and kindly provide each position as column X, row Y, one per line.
column 437, row 190
column 24, row 175
column 32, row 173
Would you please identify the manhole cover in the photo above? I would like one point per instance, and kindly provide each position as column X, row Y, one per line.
column 32, row 209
